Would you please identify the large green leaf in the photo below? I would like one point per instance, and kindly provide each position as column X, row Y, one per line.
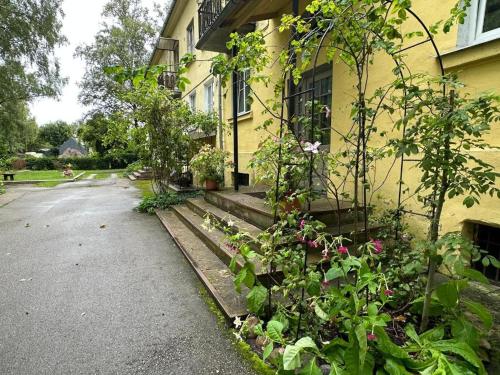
column 386, row 345
column 311, row 368
column 291, row 357
column 461, row 349
column 256, row 298
column 463, row 330
column 482, row 312
column 395, row 368
column 274, row 330
column 474, row 275
column 360, row 331
column 447, row 294
column 306, row 342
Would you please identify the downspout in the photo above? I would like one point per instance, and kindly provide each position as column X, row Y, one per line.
column 235, row 125
column 221, row 135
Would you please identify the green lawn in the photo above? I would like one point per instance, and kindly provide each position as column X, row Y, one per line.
column 42, row 175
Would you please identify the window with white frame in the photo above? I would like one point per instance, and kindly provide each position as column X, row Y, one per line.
column 209, row 96
column 190, row 37
column 482, row 23
column 192, row 101
column 243, row 92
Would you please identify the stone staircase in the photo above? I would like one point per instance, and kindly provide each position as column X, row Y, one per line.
column 206, row 250
column 141, row 174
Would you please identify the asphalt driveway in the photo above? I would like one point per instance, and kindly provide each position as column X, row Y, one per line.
column 88, row 286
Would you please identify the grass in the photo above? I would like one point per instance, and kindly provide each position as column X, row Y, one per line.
column 145, row 187
column 26, row 175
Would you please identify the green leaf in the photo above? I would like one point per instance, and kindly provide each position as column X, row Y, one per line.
column 469, row 202
column 473, row 275
column 461, row 349
column 362, row 342
column 256, row 298
column 434, row 334
column 482, row 312
column 291, row 357
column 311, row 368
column 320, row 312
column 306, row 342
column 463, row 330
column 395, row 368
column 386, row 345
column 274, row 330
column 268, row 349
column 447, row 294
column 334, row 273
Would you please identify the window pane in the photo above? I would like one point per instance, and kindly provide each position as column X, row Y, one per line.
column 492, row 15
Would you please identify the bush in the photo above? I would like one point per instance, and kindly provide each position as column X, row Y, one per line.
column 85, row 163
column 163, row 201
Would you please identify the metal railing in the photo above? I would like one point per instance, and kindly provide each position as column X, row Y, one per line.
column 208, row 12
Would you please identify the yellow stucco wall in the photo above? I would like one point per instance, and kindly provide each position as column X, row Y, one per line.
column 477, row 67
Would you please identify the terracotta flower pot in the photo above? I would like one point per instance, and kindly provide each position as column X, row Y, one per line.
column 211, row 185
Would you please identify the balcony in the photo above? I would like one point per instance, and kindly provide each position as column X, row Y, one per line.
column 167, row 53
column 219, row 18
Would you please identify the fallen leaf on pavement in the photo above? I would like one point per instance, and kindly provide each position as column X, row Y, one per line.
column 103, row 226
column 27, row 225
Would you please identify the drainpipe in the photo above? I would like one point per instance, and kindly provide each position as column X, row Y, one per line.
column 235, row 125
column 221, row 135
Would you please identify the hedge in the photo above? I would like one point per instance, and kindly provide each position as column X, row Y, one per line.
column 83, row 163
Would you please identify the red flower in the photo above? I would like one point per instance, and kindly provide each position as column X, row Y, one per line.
column 325, row 283
column 371, row 337
column 389, row 292
column 342, row 250
column 377, row 244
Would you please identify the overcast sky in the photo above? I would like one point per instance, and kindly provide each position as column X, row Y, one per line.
column 81, row 22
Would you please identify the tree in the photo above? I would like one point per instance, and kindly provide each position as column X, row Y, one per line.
column 18, row 130
column 30, row 30
column 125, row 40
column 55, row 133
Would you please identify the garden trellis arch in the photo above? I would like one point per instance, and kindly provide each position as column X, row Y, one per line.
column 287, row 97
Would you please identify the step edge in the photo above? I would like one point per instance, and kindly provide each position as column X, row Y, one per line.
column 213, row 292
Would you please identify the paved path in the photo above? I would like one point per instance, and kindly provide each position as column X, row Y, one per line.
column 90, row 287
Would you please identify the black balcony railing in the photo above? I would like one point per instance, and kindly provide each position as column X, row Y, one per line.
column 208, row 12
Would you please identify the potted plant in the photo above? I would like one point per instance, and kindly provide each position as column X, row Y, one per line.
column 208, row 165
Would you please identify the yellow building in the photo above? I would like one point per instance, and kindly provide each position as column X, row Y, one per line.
column 472, row 50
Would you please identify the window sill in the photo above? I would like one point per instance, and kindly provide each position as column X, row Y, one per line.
column 474, row 53
column 242, row 117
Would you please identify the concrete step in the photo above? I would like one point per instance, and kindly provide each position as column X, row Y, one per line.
column 202, row 208
column 214, row 274
column 246, row 207
column 131, row 177
column 215, row 239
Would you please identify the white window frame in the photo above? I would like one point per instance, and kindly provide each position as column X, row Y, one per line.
column 471, row 32
column 192, row 101
column 190, row 37
column 243, row 89
column 209, row 98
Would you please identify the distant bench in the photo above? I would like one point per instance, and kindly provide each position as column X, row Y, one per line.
column 8, row 176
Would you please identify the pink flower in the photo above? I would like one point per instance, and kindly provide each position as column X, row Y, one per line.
column 342, row 250
column 231, row 247
column 389, row 292
column 325, row 283
column 302, row 224
column 312, row 244
column 377, row 244
column 371, row 337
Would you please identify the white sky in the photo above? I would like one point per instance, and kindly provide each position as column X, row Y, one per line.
column 80, row 24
